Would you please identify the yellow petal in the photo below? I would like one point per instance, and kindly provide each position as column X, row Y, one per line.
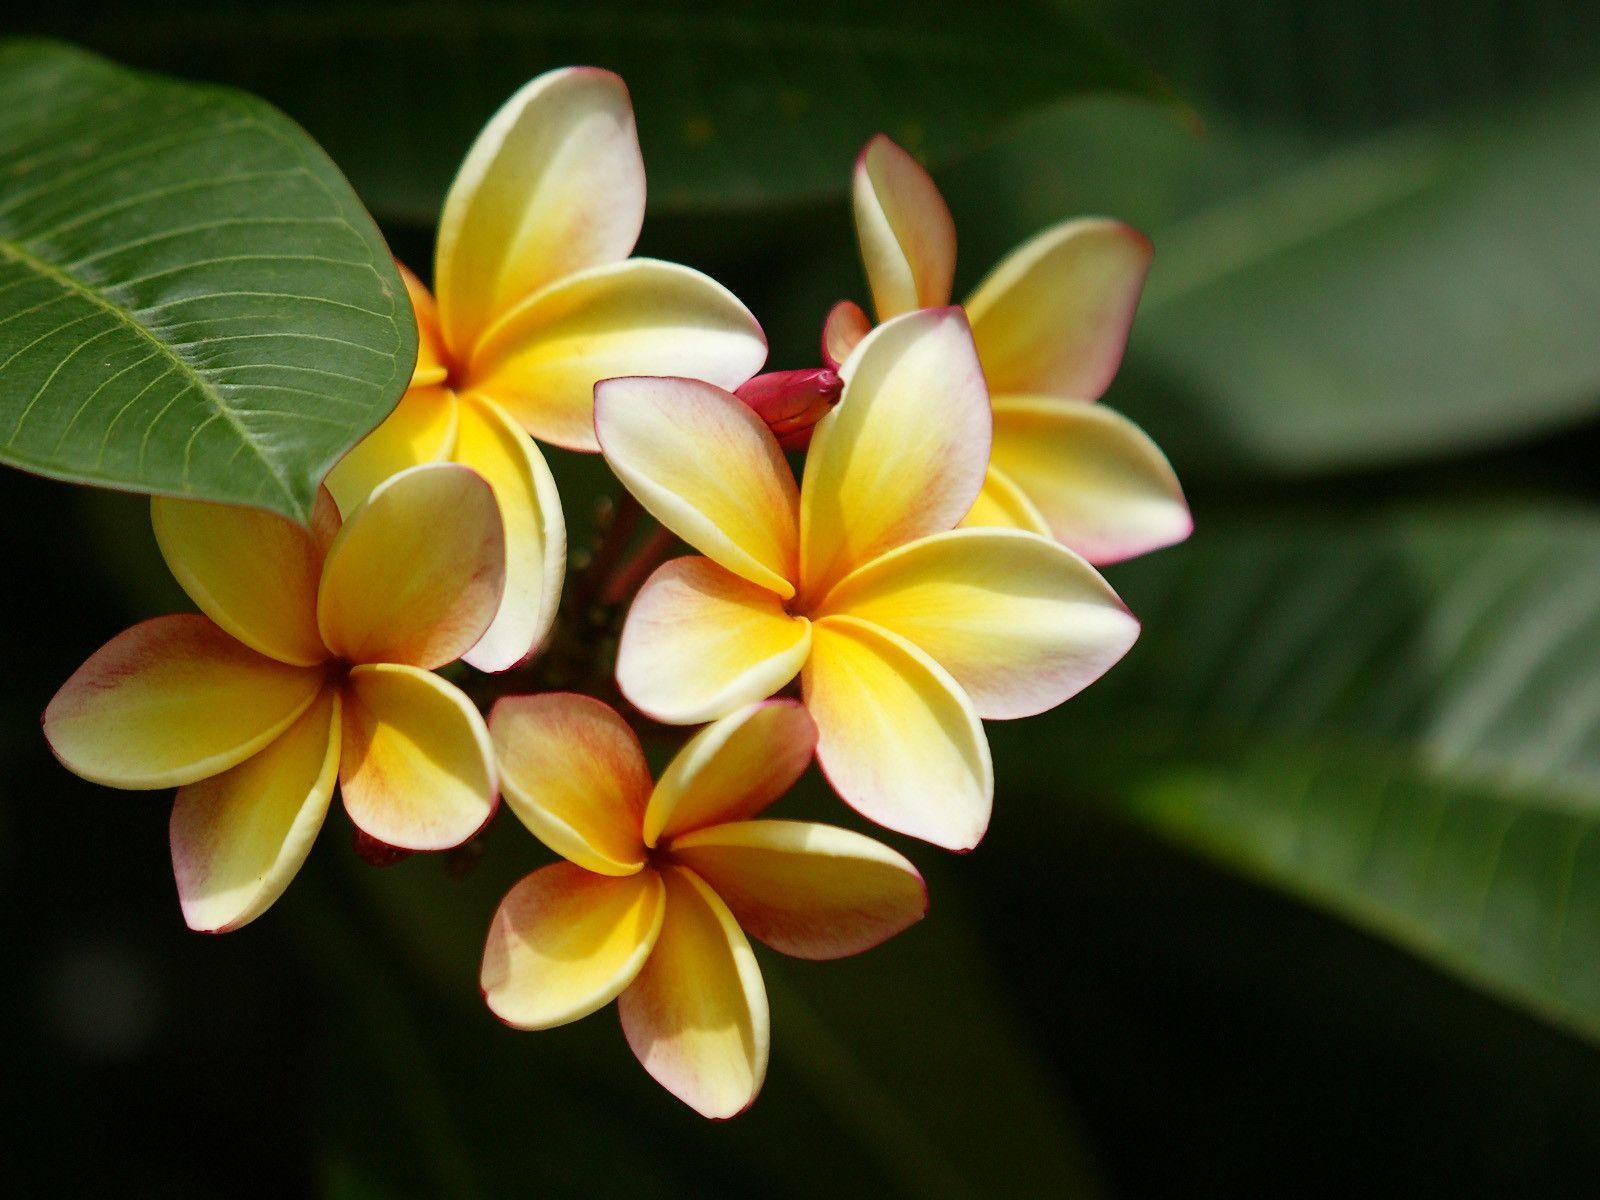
column 908, row 240
column 896, row 737
column 1053, row 317
column 696, row 1015
column 238, row 838
column 641, row 317
column 842, row 332
column 536, row 535
column 732, row 769
column 417, row 769
column 903, row 454
column 565, row 942
column 1020, row 622
column 1002, row 504
column 553, row 184
column 707, row 468
column 254, row 573
column 813, row 891
column 432, row 358
column 172, row 701
column 416, row 574
column 700, row 642
column 1104, row 488
column 573, row 772
column 421, row 429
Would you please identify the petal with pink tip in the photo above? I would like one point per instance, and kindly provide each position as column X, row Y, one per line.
column 732, row 769
column 421, row 429
column 416, row 574
column 705, row 466
column 1103, row 486
column 536, row 535
column 896, row 736
column 696, row 1016
column 238, row 838
column 553, row 185
column 541, row 361
column 252, row 572
column 1053, row 317
column 908, row 239
column 565, row 942
column 813, row 891
column 700, row 642
column 842, row 332
column 417, row 768
column 172, row 701
column 1020, row 622
column 573, row 772
column 904, row 453
column 432, row 358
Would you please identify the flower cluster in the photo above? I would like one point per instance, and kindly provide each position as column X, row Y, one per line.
column 930, row 570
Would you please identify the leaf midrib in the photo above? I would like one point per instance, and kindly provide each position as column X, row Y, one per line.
column 128, row 318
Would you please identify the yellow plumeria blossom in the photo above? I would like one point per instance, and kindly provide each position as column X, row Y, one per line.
column 537, row 300
column 311, row 665
column 662, row 882
column 905, row 631
column 1051, row 323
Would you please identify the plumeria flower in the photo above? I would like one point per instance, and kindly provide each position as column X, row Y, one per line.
column 312, row 664
column 904, row 630
column 1051, row 322
column 537, row 300
column 662, row 882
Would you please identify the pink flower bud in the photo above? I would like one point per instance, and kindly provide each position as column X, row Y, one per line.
column 791, row 402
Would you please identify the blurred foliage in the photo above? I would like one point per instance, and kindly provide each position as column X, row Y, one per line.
column 1368, row 685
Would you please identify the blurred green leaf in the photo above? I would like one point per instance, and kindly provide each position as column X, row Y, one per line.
column 196, row 303
column 900, row 1072
column 740, row 102
column 1393, row 716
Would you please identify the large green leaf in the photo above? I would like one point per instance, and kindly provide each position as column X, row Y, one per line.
column 1395, row 716
column 740, row 102
column 192, row 300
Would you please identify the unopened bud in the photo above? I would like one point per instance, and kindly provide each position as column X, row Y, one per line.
column 377, row 853
column 792, row 402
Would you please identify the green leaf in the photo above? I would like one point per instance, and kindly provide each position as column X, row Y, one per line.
column 192, row 301
column 1396, row 717
column 740, row 102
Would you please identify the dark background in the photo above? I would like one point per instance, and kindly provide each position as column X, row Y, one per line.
column 1086, row 1005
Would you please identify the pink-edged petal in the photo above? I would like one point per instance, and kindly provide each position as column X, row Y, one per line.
column 896, row 736
column 553, row 185
column 172, row 701
column 536, row 533
column 640, row 317
column 908, row 239
column 432, row 366
column 1103, row 487
column 1020, row 622
column 904, row 453
column 421, row 429
column 238, row 838
column 705, row 466
column 1053, row 317
column 732, row 769
column 573, row 772
column 813, row 891
column 700, row 642
column 565, row 942
column 842, row 331
column 1003, row 505
column 696, row 1016
column 416, row 574
column 417, row 768
column 252, row 572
